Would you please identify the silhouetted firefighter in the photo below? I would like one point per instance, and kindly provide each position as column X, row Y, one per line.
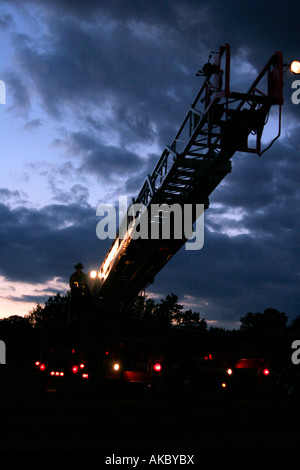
column 80, row 293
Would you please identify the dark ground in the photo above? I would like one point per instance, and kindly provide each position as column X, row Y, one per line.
column 131, row 421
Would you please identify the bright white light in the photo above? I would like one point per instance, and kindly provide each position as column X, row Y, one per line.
column 295, row 66
column 108, row 259
column 93, row 274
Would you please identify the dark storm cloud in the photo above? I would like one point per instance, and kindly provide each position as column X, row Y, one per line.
column 140, row 70
column 33, row 124
column 248, row 184
column 261, row 27
column 236, row 275
column 38, row 245
column 104, row 160
column 141, row 58
column 8, row 195
column 134, row 182
column 18, row 91
column 265, row 188
column 33, row 299
column 259, row 268
column 6, row 20
column 78, row 194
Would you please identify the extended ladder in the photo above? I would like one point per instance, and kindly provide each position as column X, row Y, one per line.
column 218, row 123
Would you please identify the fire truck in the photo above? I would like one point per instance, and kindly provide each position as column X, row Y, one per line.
column 218, row 124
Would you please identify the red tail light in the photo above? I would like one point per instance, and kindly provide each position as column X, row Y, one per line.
column 75, row 369
column 57, row 373
column 266, row 372
column 209, row 357
column 157, row 367
column 42, row 367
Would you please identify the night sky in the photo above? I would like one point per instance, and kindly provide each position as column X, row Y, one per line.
column 94, row 91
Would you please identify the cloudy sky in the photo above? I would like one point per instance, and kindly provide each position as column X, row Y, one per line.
column 94, row 91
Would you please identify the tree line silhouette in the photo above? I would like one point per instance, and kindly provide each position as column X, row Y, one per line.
column 168, row 313
column 266, row 333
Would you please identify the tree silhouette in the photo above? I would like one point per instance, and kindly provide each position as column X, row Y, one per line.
column 19, row 337
column 54, row 311
column 35, row 316
column 166, row 313
column 270, row 320
column 14, row 321
column 168, row 310
column 295, row 324
column 190, row 319
column 143, row 309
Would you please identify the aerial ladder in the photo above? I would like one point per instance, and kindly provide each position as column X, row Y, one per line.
column 219, row 123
